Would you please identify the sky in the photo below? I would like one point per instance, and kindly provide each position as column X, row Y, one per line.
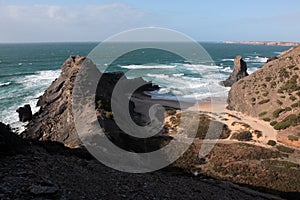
column 92, row 20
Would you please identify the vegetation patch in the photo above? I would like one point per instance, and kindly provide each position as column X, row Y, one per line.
column 291, row 120
column 262, row 114
column 268, row 78
column 290, row 85
column 242, row 136
column 271, row 143
column 264, row 101
column 277, row 112
column 273, row 123
column 267, row 119
column 293, row 98
column 293, row 138
column 285, row 149
column 279, row 102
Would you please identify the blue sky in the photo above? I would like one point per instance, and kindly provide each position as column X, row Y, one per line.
column 91, row 20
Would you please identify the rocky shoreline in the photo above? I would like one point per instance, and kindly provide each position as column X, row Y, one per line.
column 49, row 160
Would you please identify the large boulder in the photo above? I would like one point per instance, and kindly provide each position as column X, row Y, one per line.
column 25, row 113
column 239, row 71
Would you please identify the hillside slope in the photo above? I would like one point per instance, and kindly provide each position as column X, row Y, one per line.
column 273, row 94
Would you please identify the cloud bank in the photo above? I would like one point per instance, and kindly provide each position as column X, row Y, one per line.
column 68, row 23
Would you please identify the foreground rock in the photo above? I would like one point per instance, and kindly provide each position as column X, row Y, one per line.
column 25, row 113
column 239, row 72
column 44, row 171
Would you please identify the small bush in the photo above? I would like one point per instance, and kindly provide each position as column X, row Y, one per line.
column 291, row 120
column 265, row 94
column 293, row 138
column 262, row 114
column 242, row 136
column 285, row 149
column 288, row 109
column 258, row 133
column 283, row 97
column 296, row 68
column 273, row 123
column 264, row 101
column 294, row 105
column 108, row 115
column 277, row 112
column 271, row 143
column 298, row 93
column 253, row 99
column 293, row 98
column 279, row 102
column 268, row 79
column 267, row 119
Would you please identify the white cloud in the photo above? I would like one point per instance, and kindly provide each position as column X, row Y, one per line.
column 68, row 23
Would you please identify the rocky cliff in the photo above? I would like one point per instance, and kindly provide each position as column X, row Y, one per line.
column 272, row 93
column 55, row 121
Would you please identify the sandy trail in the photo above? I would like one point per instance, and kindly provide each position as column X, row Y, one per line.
column 220, row 109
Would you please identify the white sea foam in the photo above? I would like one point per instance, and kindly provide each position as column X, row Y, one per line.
column 41, row 78
column 228, row 59
column 148, row 67
column 34, row 86
column 256, row 59
column 5, row 84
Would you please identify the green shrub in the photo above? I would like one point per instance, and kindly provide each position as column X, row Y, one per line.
column 290, row 85
column 293, row 98
column 296, row 68
column 268, row 79
column 277, row 112
column 288, row 109
column 279, row 102
column 267, row 119
column 283, row 97
column 265, row 94
column 262, row 114
column 108, row 115
column 242, row 136
column 294, row 105
column 291, row 120
column 282, row 125
column 285, row 149
column 273, row 123
column 271, row 143
column 253, row 99
column 291, row 66
column 258, row 133
column 264, row 101
column 293, row 138
column 298, row 93
column 256, row 92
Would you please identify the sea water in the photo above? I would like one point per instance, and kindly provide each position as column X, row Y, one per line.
column 26, row 70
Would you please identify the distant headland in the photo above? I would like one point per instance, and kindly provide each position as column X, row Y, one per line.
column 269, row 43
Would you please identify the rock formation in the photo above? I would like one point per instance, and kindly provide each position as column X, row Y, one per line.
column 239, row 71
column 25, row 113
column 55, row 121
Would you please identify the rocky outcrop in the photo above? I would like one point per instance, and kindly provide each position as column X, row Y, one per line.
column 55, row 120
column 25, row 113
column 239, row 71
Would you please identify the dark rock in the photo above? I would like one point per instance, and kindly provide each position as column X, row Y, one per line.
column 10, row 143
column 239, row 71
column 25, row 113
column 42, row 190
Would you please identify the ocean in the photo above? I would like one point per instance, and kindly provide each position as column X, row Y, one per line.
column 26, row 70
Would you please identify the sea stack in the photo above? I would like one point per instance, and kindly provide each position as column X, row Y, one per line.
column 239, row 71
column 25, row 113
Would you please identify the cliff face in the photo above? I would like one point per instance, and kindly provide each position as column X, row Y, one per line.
column 272, row 92
column 54, row 121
